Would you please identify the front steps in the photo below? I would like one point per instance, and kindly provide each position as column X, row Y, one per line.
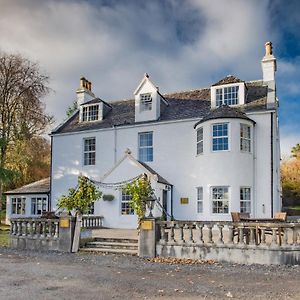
column 112, row 245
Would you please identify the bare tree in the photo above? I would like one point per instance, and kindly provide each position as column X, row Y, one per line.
column 22, row 114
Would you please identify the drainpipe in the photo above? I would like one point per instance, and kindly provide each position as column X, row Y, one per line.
column 172, row 217
column 51, row 158
column 254, row 172
column 272, row 167
column 115, row 144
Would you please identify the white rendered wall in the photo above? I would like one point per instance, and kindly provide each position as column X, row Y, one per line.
column 175, row 159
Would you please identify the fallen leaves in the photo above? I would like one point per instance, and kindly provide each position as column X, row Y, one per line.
column 181, row 261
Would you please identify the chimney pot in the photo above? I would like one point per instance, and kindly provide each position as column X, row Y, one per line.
column 82, row 82
column 269, row 48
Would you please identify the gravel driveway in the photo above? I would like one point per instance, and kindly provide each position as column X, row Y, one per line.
column 32, row 275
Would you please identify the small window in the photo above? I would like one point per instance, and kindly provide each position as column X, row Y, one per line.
column 245, row 138
column 18, row 206
column 145, row 102
column 90, row 113
column 200, row 140
column 220, row 200
column 38, row 205
column 227, row 96
column 220, row 137
column 91, row 209
column 89, row 152
column 245, row 200
column 126, row 209
column 199, row 200
column 146, row 146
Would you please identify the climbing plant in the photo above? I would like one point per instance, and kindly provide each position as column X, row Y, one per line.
column 80, row 199
column 139, row 190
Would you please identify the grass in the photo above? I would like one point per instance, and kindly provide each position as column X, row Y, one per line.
column 4, row 235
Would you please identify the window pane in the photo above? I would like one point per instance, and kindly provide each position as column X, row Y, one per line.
column 220, row 200
column 145, row 146
column 89, row 155
column 125, row 207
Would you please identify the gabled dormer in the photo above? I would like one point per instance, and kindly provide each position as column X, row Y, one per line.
column 148, row 101
column 91, row 109
column 228, row 91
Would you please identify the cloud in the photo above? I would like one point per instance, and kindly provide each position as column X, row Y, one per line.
column 112, row 43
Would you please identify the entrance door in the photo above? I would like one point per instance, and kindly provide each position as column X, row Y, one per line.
column 165, row 204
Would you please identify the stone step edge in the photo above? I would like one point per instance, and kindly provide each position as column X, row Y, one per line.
column 115, row 240
column 105, row 250
column 115, row 244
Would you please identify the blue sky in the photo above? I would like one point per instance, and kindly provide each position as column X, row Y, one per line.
column 183, row 45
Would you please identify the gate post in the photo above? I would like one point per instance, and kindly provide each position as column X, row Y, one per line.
column 66, row 233
column 147, row 238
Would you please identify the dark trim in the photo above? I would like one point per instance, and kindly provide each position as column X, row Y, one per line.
column 272, row 167
column 51, row 163
column 222, row 117
column 172, row 217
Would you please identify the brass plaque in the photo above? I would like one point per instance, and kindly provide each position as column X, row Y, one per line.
column 147, row 225
column 184, row 200
column 64, row 223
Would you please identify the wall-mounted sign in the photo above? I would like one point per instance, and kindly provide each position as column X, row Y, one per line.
column 184, row 200
column 64, row 223
column 147, row 225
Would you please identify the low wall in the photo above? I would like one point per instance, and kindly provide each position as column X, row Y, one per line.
column 234, row 242
column 42, row 234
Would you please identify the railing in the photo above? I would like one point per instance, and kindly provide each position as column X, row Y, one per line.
column 231, row 234
column 92, row 222
column 35, row 228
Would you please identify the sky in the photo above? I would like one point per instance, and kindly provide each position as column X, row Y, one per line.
column 182, row 45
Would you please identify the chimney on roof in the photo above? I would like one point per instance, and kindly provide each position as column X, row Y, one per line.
column 268, row 63
column 84, row 92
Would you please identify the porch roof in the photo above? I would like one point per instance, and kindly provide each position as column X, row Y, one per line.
column 37, row 187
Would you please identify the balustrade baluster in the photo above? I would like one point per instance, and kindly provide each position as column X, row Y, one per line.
column 252, row 236
column 210, row 235
column 263, row 236
column 274, row 237
column 190, row 233
column 44, row 229
column 25, row 228
column 295, row 235
column 162, row 234
column 230, row 234
column 200, row 227
column 172, row 234
column 49, row 229
column 285, row 237
column 241, row 234
column 19, row 228
column 181, row 237
column 56, row 228
column 11, row 229
column 220, row 239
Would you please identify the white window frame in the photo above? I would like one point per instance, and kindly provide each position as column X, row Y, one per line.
column 126, row 210
column 88, row 112
column 199, row 138
column 20, row 205
column 148, row 157
column 199, row 191
column 146, row 102
column 220, row 137
column 223, row 91
column 223, row 206
column 245, row 141
column 245, row 201
column 38, row 202
column 91, row 161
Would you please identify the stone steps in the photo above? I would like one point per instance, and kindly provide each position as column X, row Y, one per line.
column 112, row 245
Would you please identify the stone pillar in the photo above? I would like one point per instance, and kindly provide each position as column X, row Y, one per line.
column 66, row 233
column 147, row 238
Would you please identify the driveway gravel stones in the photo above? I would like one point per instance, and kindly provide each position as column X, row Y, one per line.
column 52, row 275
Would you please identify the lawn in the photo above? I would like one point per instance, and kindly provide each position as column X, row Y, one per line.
column 4, row 235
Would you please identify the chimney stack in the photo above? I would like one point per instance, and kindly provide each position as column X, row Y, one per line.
column 84, row 92
column 268, row 63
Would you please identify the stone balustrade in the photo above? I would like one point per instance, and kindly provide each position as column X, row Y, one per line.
column 35, row 228
column 92, row 222
column 238, row 242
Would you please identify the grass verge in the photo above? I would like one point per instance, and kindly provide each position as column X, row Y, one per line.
column 4, row 235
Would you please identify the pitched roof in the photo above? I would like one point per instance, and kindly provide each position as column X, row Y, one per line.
column 37, row 187
column 224, row 112
column 96, row 100
column 160, row 178
column 227, row 80
column 182, row 105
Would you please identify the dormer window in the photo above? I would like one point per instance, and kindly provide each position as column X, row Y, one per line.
column 145, row 102
column 227, row 95
column 90, row 113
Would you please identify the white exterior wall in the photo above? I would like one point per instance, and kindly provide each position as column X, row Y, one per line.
column 175, row 159
column 27, row 206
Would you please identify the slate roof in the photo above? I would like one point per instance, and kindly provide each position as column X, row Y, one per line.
column 96, row 100
column 227, row 80
column 160, row 178
column 222, row 112
column 182, row 105
column 37, row 187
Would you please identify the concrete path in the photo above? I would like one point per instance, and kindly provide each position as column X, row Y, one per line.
column 115, row 233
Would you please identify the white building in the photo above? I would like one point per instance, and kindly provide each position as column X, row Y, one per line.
column 208, row 152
